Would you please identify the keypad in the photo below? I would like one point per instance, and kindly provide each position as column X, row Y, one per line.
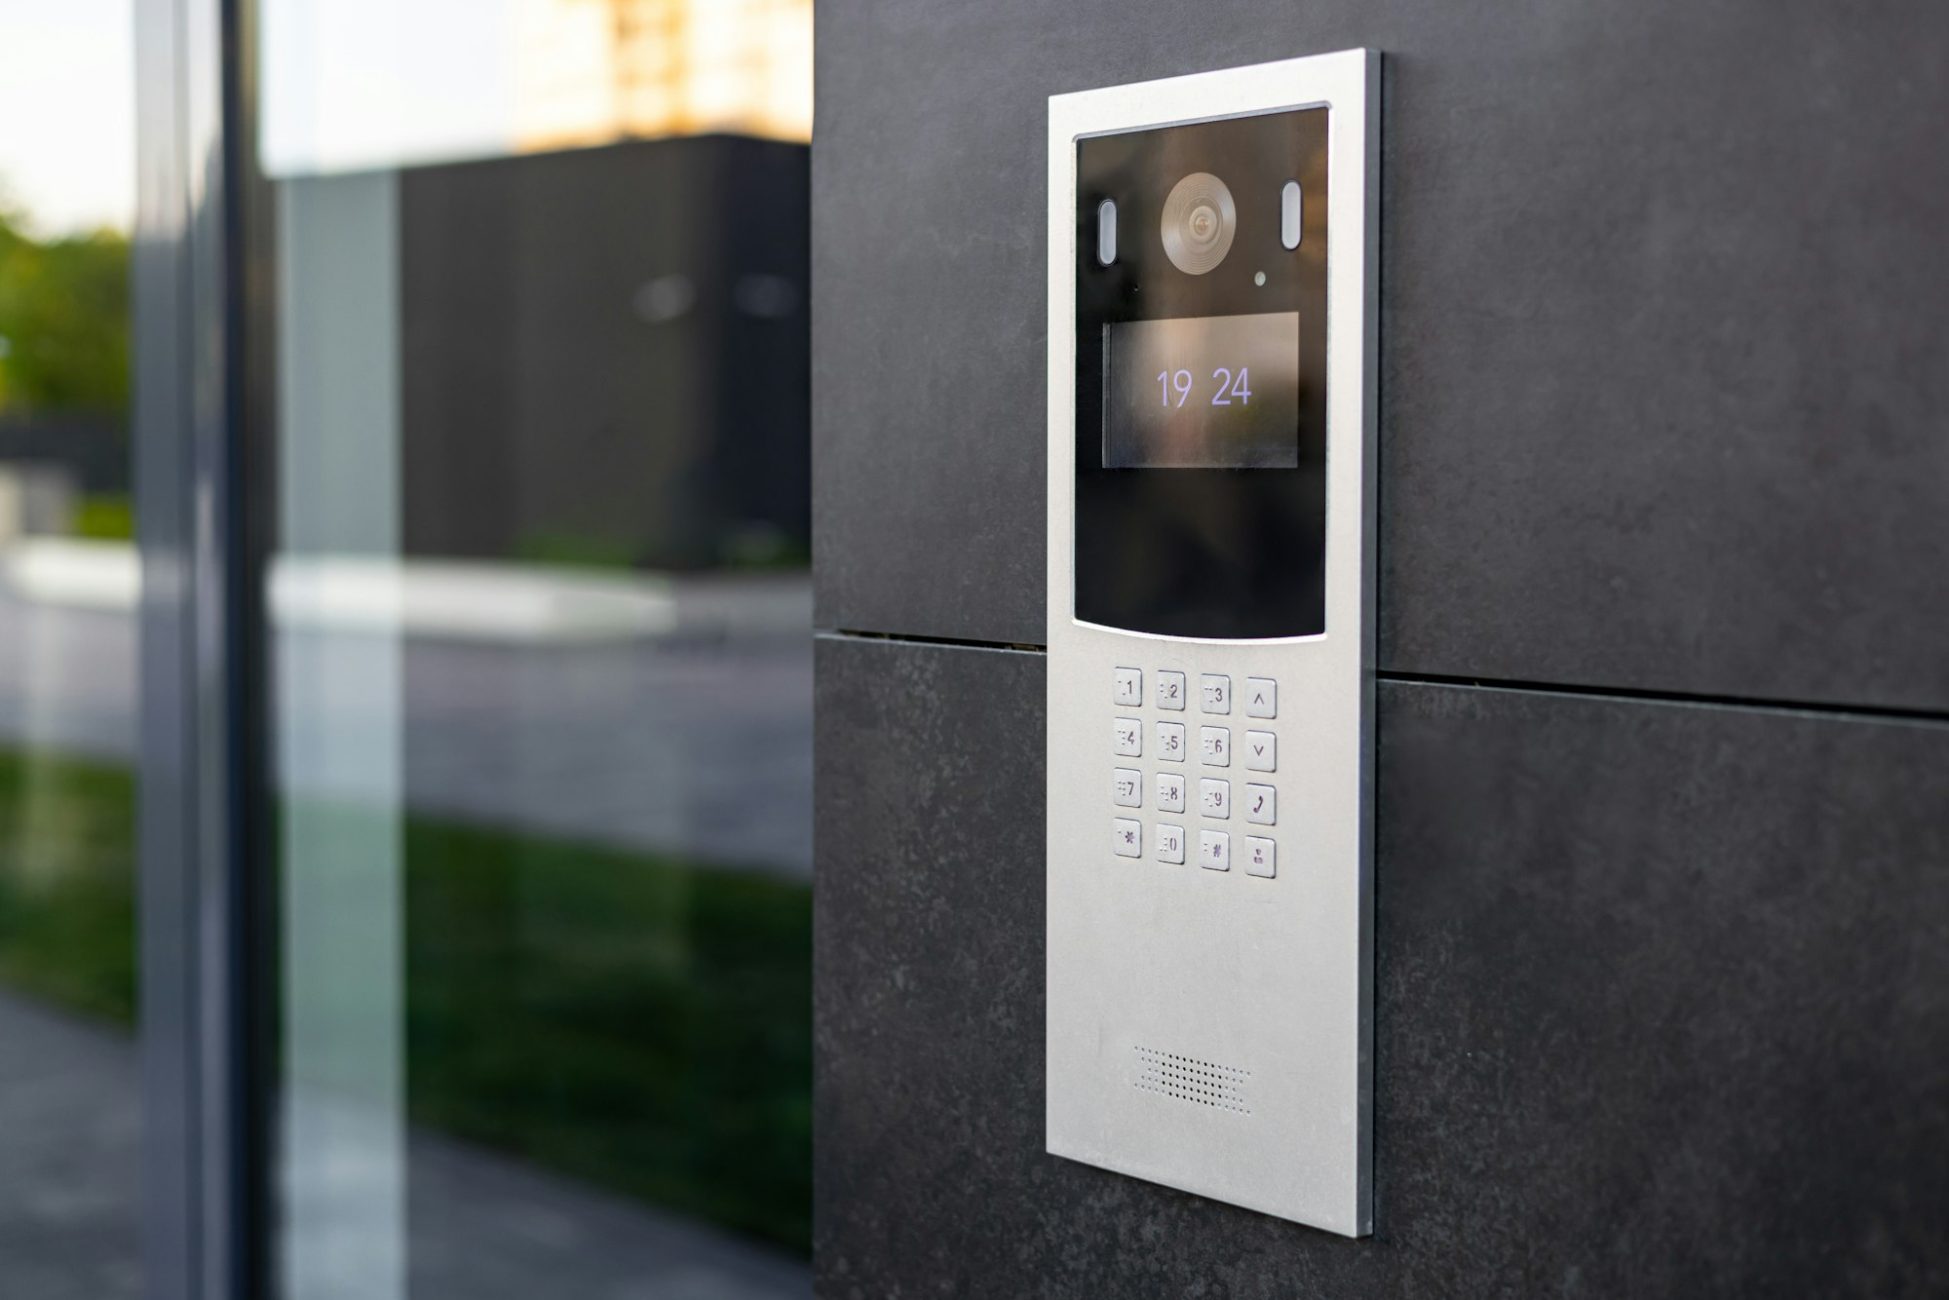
column 1174, row 767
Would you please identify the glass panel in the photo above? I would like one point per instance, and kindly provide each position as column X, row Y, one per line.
column 541, row 643
column 69, row 1100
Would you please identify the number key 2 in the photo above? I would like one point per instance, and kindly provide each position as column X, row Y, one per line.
column 1170, row 690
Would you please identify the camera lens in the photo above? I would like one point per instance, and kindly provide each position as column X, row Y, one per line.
column 1199, row 222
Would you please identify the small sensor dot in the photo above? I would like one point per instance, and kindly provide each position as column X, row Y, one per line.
column 1259, row 279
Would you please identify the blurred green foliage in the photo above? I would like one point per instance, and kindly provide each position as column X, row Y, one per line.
column 64, row 321
column 568, row 551
column 105, row 519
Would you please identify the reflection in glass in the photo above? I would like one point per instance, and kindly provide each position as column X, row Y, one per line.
column 361, row 84
column 542, row 704
column 69, row 1110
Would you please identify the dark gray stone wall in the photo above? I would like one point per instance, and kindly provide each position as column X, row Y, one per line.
column 1663, row 906
column 1660, row 1007
column 1665, row 295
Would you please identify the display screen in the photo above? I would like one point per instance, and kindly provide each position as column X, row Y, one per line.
column 1205, row 392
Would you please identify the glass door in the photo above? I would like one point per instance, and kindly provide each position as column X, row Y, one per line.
column 71, row 1118
column 530, row 330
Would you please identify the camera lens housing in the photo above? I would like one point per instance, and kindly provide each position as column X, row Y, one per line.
column 1199, row 223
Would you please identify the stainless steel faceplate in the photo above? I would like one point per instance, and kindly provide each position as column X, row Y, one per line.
column 1212, row 1030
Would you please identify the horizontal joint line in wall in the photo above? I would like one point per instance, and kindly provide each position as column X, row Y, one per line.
column 963, row 643
column 1880, row 713
column 1824, row 709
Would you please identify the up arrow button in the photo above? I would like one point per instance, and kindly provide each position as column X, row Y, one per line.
column 1261, row 697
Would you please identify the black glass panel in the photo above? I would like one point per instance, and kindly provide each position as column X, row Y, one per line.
column 1201, row 381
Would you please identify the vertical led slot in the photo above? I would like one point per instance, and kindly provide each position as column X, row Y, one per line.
column 1106, row 232
column 1291, row 209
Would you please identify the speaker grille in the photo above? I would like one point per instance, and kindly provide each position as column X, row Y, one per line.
column 1186, row 1078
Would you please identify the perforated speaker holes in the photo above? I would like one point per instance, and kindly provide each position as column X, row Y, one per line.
column 1186, row 1078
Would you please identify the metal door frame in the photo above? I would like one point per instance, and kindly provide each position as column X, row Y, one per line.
column 205, row 1207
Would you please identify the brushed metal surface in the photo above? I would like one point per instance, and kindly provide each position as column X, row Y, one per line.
column 1267, row 982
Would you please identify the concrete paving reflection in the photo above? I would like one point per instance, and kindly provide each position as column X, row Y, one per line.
column 481, row 1226
column 683, row 726
column 671, row 717
column 70, row 1158
column 485, row 1228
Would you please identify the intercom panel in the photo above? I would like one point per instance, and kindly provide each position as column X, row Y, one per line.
column 1210, row 753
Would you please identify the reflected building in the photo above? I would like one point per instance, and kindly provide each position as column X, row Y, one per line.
column 590, row 71
column 603, row 343
column 605, row 355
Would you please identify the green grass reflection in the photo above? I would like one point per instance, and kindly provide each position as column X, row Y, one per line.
column 67, row 886
column 636, row 1021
